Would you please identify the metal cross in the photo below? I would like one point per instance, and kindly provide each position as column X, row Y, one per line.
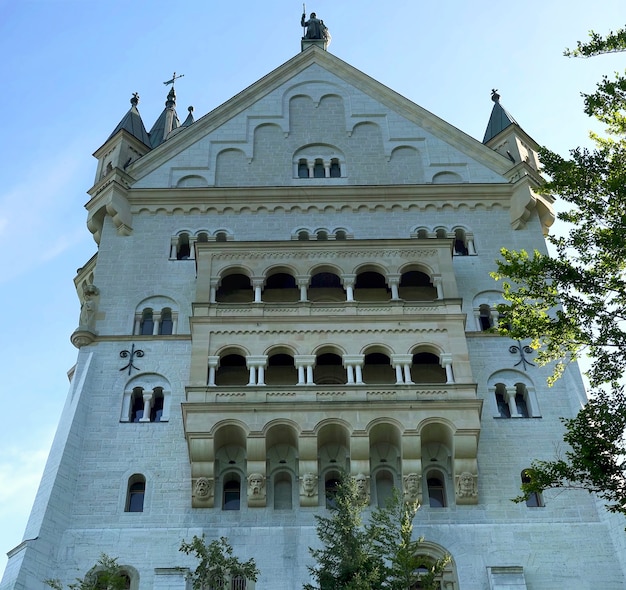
column 174, row 78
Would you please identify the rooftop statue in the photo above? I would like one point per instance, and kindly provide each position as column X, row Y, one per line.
column 315, row 28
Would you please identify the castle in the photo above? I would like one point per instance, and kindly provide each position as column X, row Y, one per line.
column 294, row 285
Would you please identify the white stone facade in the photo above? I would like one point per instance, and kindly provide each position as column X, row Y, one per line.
column 268, row 361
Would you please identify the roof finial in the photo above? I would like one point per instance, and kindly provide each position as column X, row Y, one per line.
column 171, row 98
column 134, row 99
column 494, row 95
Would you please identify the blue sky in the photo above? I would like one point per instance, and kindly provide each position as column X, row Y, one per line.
column 70, row 66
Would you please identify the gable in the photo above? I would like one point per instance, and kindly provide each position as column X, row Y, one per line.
column 316, row 120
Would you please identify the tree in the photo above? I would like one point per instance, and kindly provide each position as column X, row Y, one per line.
column 217, row 564
column 391, row 529
column 574, row 304
column 347, row 560
column 379, row 555
column 105, row 575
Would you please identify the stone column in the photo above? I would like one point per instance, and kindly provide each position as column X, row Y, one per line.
column 303, row 284
column 348, row 284
column 213, row 362
column 257, row 285
column 147, row 404
column 402, row 364
column 438, row 285
column 256, row 366
column 394, row 282
column 446, row 363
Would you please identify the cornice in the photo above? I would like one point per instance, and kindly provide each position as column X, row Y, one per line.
column 292, row 199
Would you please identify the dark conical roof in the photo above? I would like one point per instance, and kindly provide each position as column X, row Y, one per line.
column 167, row 121
column 189, row 120
column 499, row 120
column 132, row 123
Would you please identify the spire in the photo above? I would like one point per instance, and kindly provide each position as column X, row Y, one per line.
column 189, row 120
column 167, row 121
column 132, row 122
column 500, row 119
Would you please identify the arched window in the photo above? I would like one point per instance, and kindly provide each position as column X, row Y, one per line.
column 326, row 286
column 371, row 286
column 282, row 491
column 340, row 235
column 238, row 583
column 384, row 487
column 303, row 168
column 231, row 496
column 146, row 327
column 318, row 168
column 460, row 243
column 520, row 404
column 183, row 248
column 377, row 368
column 335, row 168
column 232, row 370
column 136, row 405
column 281, row 370
column 329, row 369
column 135, row 494
column 221, row 236
column 166, row 324
column 485, row 319
column 303, row 235
column 156, row 409
column 235, row 288
column 427, row 369
column 436, row 490
column 416, row 286
column 102, row 581
column 534, row 500
column 501, row 401
column 322, row 236
column 330, row 488
column 280, row 287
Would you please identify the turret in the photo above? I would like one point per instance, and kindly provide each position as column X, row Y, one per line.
column 167, row 121
column 128, row 142
column 505, row 136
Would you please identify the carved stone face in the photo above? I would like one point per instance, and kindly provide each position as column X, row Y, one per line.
column 203, row 487
column 255, row 483
column 466, row 484
column 309, row 484
column 412, row 482
column 361, row 482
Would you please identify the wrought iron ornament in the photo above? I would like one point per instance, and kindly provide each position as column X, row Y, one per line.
column 132, row 353
column 522, row 349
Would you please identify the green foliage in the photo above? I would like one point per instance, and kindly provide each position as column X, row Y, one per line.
column 391, row 529
column 105, row 575
column 217, row 564
column 574, row 304
column 379, row 555
column 595, row 458
column 346, row 560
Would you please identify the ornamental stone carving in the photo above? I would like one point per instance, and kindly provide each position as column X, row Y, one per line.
column 466, row 488
column 308, row 489
column 412, row 487
column 362, row 483
column 203, row 493
column 256, row 489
